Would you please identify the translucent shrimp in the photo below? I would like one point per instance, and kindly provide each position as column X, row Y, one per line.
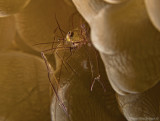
column 74, row 40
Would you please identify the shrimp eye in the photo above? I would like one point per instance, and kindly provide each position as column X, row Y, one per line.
column 70, row 34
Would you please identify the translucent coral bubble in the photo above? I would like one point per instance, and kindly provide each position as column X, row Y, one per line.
column 37, row 23
column 24, row 88
column 153, row 7
column 9, row 7
column 115, row 1
column 7, row 32
column 143, row 106
column 132, row 59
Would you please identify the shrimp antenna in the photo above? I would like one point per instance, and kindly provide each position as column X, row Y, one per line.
column 59, row 27
column 44, row 43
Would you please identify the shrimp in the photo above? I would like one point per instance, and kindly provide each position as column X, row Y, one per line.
column 74, row 40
